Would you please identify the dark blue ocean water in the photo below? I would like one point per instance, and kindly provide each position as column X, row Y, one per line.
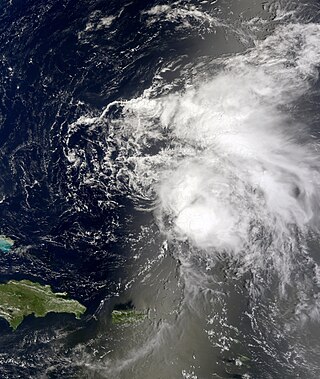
column 52, row 72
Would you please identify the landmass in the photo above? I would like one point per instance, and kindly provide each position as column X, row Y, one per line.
column 6, row 243
column 128, row 316
column 19, row 299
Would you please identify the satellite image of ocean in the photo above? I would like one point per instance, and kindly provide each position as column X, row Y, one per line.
column 159, row 189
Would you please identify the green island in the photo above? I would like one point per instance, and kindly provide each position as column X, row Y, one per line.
column 6, row 243
column 19, row 299
column 128, row 316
